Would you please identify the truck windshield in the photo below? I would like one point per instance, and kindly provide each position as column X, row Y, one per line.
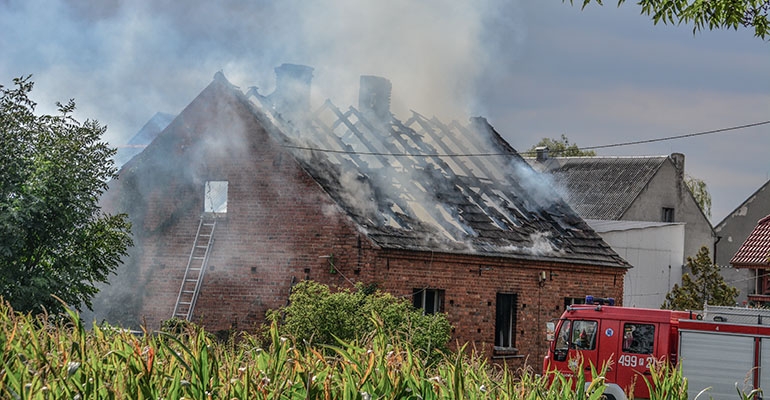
column 578, row 334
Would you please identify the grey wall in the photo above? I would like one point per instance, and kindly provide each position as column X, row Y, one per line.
column 734, row 230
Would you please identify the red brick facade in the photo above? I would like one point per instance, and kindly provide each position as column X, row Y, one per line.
column 282, row 226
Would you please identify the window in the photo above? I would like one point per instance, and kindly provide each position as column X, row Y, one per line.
column 668, row 214
column 562, row 339
column 638, row 338
column 429, row 300
column 505, row 320
column 215, row 197
column 584, row 335
column 568, row 301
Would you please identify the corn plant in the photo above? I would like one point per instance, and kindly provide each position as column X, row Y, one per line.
column 47, row 358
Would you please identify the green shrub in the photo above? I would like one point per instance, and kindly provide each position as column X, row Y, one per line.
column 319, row 316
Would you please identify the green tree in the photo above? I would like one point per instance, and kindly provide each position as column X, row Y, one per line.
column 701, row 285
column 318, row 315
column 54, row 239
column 700, row 192
column 561, row 148
column 711, row 14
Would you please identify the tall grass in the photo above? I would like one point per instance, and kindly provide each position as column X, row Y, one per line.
column 58, row 360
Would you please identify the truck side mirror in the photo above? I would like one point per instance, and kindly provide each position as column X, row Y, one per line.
column 550, row 331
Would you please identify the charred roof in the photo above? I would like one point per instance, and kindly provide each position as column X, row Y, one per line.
column 426, row 185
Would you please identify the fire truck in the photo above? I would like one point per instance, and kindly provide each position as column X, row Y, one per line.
column 719, row 348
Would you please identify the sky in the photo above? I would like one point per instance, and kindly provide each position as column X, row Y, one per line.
column 533, row 68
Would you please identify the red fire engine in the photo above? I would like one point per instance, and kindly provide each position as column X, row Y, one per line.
column 718, row 348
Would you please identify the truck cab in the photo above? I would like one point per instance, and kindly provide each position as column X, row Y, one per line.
column 595, row 332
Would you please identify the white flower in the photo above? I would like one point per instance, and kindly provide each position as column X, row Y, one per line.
column 366, row 396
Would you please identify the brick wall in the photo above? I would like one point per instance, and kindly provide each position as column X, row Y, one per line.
column 470, row 285
column 281, row 226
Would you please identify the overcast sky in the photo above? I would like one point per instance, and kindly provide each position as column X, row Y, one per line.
column 534, row 68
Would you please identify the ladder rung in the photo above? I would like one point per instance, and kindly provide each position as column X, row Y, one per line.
column 188, row 291
column 204, row 235
column 185, row 303
column 198, row 258
column 191, row 280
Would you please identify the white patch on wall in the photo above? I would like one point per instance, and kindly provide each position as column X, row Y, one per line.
column 215, row 197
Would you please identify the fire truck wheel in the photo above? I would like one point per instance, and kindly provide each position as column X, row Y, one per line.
column 614, row 392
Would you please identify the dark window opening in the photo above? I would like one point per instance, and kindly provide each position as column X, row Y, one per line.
column 668, row 214
column 431, row 301
column 505, row 320
column 568, row 301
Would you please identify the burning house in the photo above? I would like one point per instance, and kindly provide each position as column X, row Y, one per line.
column 244, row 194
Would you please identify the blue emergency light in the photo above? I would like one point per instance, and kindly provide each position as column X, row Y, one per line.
column 600, row 300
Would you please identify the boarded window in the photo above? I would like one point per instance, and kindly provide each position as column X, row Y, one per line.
column 215, row 197
column 429, row 300
column 505, row 320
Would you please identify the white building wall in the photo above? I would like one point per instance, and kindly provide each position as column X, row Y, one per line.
column 656, row 253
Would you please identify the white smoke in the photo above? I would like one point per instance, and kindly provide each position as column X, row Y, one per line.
column 123, row 60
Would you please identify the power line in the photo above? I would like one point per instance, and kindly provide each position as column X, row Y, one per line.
column 732, row 128
column 604, row 146
column 374, row 153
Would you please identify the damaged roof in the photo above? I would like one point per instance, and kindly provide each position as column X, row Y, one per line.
column 422, row 184
column 600, row 187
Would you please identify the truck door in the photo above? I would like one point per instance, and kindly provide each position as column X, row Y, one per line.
column 636, row 350
column 583, row 345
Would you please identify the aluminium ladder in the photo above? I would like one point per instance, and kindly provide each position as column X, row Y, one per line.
column 196, row 267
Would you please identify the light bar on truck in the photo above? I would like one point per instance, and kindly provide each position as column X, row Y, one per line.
column 600, row 300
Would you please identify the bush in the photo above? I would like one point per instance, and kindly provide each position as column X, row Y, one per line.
column 317, row 315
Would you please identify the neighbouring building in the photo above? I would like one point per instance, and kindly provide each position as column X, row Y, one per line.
column 655, row 249
column 754, row 256
column 261, row 191
column 144, row 137
column 733, row 230
column 635, row 190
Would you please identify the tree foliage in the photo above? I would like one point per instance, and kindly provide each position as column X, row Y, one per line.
column 711, row 14
column 561, row 148
column 703, row 284
column 318, row 315
column 700, row 192
column 54, row 238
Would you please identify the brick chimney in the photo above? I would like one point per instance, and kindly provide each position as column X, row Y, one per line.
column 292, row 88
column 374, row 97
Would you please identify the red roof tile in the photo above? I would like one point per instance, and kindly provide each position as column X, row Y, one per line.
column 756, row 249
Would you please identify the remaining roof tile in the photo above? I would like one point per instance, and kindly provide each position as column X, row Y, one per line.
column 600, row 187
column 755, row 251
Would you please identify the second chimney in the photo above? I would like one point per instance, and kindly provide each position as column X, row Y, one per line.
column 292, row 88
column 374, row 97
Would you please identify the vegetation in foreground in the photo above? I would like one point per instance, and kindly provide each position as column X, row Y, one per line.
column 44, row 360
column 319, row 316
